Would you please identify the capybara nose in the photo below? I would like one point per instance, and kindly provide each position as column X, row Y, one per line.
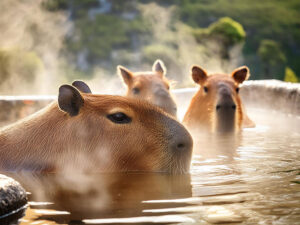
column 182, row 145
column 226, row 106
column 181, row 142
column 225, row 100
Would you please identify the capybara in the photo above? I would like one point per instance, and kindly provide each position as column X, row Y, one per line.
column 217, row 106
column 104, row 133
column 152, row 86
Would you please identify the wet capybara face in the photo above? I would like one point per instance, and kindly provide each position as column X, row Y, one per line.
column 102, row 133
column 130, row 135
column 126, row 134
column 217, row 105
column 151, row 86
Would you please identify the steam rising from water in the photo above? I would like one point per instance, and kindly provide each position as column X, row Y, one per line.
column 29, row 30
column 34, row 37
column 166, row 33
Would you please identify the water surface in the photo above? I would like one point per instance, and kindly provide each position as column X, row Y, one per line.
column 257, row 183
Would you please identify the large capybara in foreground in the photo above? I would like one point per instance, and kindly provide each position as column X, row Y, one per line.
column 217, row 106
column 103, row 133
column 152, row 86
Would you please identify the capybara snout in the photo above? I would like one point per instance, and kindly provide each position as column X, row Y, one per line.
column 180, row 145
column 225, row 100
column 179, row 138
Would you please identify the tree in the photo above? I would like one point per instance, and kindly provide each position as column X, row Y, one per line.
column 229, row 32
column 226, row 33
column 290, row 76
column 271, row 56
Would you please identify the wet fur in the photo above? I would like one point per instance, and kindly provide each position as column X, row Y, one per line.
column 201, row 111
column 148, row 83
column 52, row 140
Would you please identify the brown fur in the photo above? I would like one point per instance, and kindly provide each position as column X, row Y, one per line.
column 152, row 86
column 52, row 140
column 201, row 113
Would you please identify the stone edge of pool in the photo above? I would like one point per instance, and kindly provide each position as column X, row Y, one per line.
column 254, row 93
column 266, row 94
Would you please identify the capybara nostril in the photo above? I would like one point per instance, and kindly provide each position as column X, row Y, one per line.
column 180, row 140
column 180, row 146
column 183, row 144
column 225, row 106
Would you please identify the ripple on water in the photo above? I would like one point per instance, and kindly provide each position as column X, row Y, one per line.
column 258, row 185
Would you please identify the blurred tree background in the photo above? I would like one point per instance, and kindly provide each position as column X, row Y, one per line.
column 218, row 35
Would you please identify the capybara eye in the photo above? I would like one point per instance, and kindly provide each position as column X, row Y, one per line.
column 135, row 91
column 119, row 118
column 205, row 89
column 237, row 90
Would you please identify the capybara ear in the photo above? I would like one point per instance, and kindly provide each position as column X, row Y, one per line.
column 159, row 67
column 81, row 86
column 125, row 74
column 241, row 74
column 69, row 100
column 199, row 75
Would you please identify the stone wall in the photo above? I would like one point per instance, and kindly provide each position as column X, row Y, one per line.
column 272, row 94
column 13, row 108
column 267, row 94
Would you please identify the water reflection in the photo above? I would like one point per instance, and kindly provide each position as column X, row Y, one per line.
column 211, row 146
column 81, row 196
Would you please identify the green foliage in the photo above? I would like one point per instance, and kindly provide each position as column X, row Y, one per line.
column 273, row 59
column 159, row 51
column 225, row 31
column 270, row 53
column 54, row 5
column 4, row 65
column 226, row 22
column 290, row 75
column 228, row 30
column 98, row 37
column 270, row 19
column 16, row 62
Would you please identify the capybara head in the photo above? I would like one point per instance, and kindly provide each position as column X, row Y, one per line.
column 152, row 86
column 217, row 105
column 97, row 132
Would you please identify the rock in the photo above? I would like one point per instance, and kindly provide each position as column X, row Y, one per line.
column 264, row 93
column 12, row 196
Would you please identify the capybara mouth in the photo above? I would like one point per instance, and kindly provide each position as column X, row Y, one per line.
column 226, row 117
column 179, row 163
